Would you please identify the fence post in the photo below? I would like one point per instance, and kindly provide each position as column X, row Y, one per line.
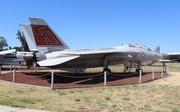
column 105, row 78
column 10, row 68
column 14, row 75
column 52, row 80
column 34, row 65
column 0, row 70
column 140, row 76
column 168, row 71
column 19, row 66
column 153, row 74
column 162, row 73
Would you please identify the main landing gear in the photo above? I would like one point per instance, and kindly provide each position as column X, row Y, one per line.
column 106, row 64
column 129, row 66
column 164, row 67
column 108, row 71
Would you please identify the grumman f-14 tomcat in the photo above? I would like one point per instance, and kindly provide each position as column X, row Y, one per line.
column 51, row 51
column 8, row 57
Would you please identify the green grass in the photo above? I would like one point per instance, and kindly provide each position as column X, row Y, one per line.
column 151, row 97
column 138, row 97
column 174, row 67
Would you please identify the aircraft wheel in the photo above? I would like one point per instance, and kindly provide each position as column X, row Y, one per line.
column 108, row 71
column 28, row 67
column 138, row 70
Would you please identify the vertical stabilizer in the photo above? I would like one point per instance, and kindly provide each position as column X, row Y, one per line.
column 41, row 37
column 157, row 49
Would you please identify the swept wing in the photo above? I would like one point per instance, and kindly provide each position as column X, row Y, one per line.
column 56, row 61
column 112, row 54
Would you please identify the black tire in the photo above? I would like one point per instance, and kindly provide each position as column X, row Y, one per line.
column 28, row 67
column 138, row 70
column 108, row 71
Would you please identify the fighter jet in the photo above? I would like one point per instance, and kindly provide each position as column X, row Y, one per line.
column 8, row 57
column 170, row 56
column 51, row 51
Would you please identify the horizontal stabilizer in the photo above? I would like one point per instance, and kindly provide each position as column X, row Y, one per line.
column 164, row 60
column 18, row 60
column 25, row 52
column 7, row 51
column 56, row 61
column 174, row 54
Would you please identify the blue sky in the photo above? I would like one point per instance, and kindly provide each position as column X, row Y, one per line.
column 95, row 24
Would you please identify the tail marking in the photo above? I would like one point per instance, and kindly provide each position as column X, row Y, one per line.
column 44, row 36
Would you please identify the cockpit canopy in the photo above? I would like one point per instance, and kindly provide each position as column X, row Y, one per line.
column 138, row 46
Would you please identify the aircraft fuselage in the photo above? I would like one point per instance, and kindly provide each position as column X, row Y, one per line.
column 97, row 60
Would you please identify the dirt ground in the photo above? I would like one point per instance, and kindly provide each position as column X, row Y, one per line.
column 69, row 80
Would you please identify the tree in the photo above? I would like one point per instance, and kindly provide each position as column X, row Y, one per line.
column 22, row 39
column 18, row 48
column 3, row 43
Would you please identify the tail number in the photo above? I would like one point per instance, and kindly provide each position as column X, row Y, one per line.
column 44, row 36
